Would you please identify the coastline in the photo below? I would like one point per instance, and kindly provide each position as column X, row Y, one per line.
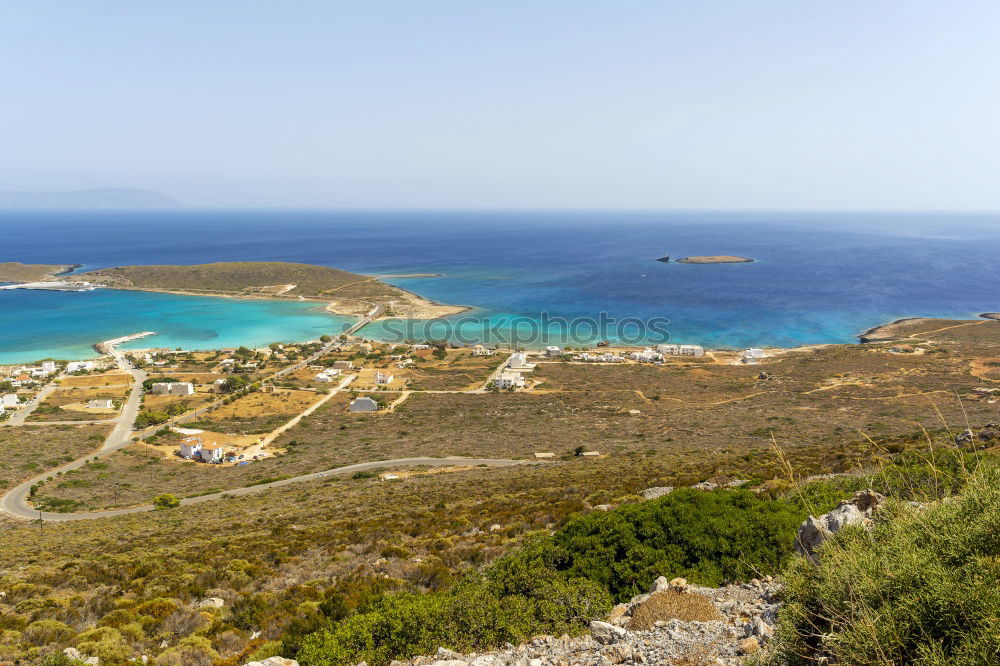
column 413, row 307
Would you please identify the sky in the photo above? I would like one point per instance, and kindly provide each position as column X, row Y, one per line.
column 578, row 104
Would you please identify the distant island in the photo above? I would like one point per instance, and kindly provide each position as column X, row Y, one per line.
column 715, row 259
column 103, row 197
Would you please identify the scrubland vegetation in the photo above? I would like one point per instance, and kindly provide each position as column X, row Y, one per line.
column 344, row 569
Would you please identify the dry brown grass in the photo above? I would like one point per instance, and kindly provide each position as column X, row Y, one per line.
column 88, row 381
column 674, row 605
column 282, row 401
column 161, row 402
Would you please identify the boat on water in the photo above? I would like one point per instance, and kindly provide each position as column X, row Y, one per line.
column 665, row 258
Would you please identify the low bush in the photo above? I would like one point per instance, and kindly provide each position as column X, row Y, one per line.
column 922, row 587
column 707, row 537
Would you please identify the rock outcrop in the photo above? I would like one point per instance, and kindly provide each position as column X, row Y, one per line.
column 856, row 511
column 981, row 438
column 656, row 492
column 747, row 613
column 274, row 661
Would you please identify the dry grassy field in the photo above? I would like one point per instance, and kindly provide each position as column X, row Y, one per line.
column 66, row 404
column 27, row 451
column 260, row 412
column 459, row 371
column 116, row 378
column 694, row 419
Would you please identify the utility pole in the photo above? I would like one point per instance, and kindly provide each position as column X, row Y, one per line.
column 41, row 529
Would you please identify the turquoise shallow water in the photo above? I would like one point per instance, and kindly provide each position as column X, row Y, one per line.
column 65, row 325
column 819, row 277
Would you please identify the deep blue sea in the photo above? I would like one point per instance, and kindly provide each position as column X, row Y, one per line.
column 819, row 277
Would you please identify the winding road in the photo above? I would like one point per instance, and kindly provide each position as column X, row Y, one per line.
column 15, row 502
column 21, row 510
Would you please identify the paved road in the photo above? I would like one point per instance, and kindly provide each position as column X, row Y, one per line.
column 364, row 321
column 18, row 417
column 15, row 501
column 20, row 511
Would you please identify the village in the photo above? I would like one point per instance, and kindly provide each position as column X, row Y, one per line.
column 228, row 406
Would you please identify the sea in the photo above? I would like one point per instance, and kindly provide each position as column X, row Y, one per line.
column 529, row 278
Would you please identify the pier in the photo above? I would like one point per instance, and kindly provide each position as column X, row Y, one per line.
column 55, row 286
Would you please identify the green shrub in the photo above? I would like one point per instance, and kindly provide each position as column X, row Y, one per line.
column 191, row 651
column 707, row 537
column 922, row 587
column 43, row 632
column 516, row 598
column 166, row 501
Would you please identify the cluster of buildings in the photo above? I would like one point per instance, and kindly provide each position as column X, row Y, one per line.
column 606, row 357
column 79, row 366
column 327, row 375
column 510, row 376
column 172, row 388
column 680, row 350
column 194, row 448
column 27, row 375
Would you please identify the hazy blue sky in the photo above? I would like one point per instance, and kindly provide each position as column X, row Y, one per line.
column 515, row 104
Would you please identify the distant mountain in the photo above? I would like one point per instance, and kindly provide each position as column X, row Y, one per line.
column 103, row 197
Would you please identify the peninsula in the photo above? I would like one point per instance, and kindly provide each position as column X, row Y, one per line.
column 715, row 259
column 346, row 293
column 14, row 271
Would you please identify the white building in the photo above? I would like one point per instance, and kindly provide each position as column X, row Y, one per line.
column 9, row 400
column 480, row 350
column 383, row 377
column 217, row 385
column 509, row 380
column 363, row 404
column 49, row 366
column 419, row 347
column 552, row 350
column 79, row 366
column 190, row 446
column 752, row 356
column 39, row 373
column 323, row 378
column 101, row 403
column 181, row 388
column 343, row 365
column 647, row 355
column 519, row 361
column 681, row 350
column 213, row 453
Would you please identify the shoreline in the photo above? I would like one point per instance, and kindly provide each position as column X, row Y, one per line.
column 431, row 309
column 866, row 337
